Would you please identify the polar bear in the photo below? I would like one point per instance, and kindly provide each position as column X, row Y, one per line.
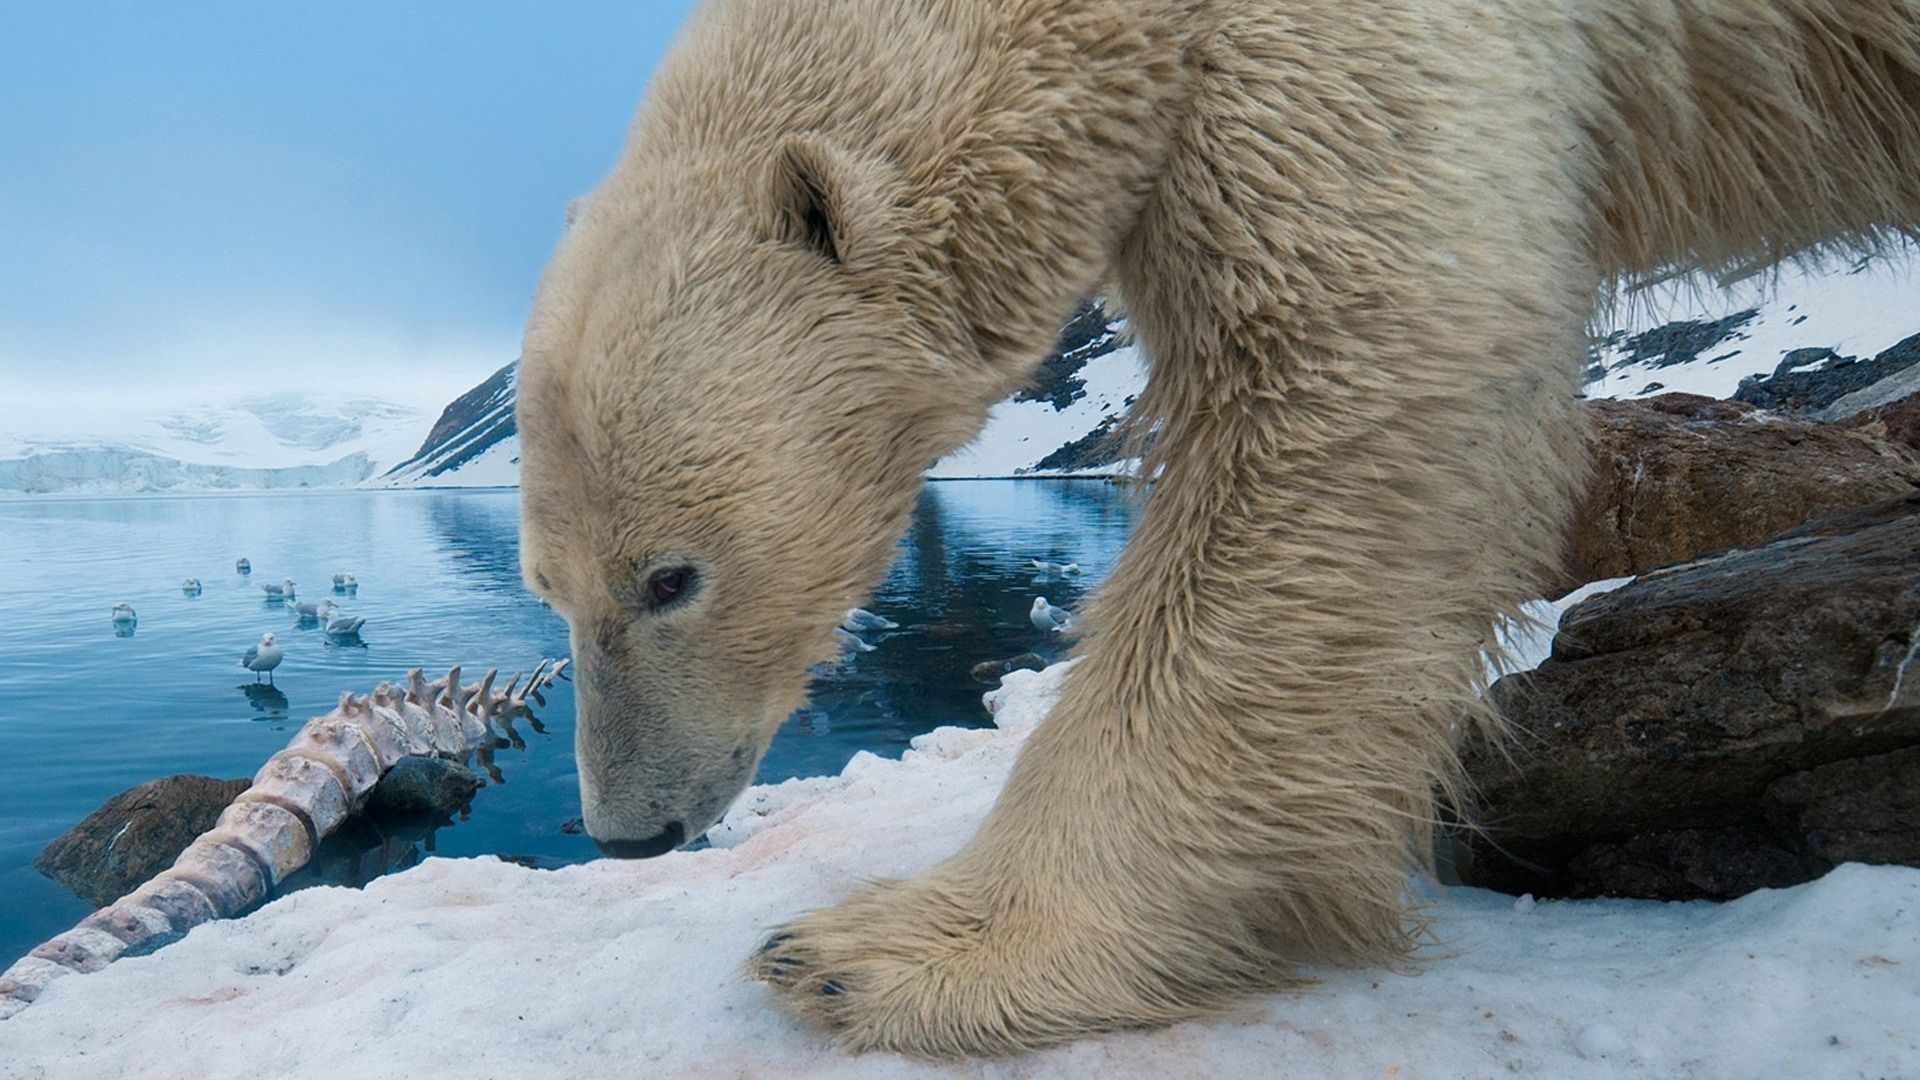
column 1360, row 240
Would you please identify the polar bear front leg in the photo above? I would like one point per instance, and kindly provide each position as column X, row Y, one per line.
column 1239, row 775
column 1365, row 310
column 1098, row 895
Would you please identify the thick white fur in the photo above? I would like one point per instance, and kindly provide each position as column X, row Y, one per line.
column 1360, row 240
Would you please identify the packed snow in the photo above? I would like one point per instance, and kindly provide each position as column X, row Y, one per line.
column 483, row 968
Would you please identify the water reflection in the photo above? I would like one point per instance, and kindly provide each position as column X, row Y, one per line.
column 439, row 583
column 266, row 699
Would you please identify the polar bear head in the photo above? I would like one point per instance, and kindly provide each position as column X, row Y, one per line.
column 733, row 377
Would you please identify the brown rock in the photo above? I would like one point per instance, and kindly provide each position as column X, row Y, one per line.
column 1861, row 810
column 1739, row 721
column 135, row 835
column 1679, row 475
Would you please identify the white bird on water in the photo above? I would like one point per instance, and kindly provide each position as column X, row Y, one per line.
column 191, row 586
column 279, row 593
column 345, row 583
column 1049, row 569
column 262, row 657
column 859, row 619
column 336, row 624
column 242, row 566
column 306, row 609
column 850, row 641
column 123, row 614
column 1048, row 618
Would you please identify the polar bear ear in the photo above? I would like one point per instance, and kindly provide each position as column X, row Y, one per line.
column 809, row 202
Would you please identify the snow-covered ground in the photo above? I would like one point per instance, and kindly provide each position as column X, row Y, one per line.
column 285, row 440
column 482, row 968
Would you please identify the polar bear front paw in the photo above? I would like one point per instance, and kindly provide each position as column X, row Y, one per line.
column 924, row 968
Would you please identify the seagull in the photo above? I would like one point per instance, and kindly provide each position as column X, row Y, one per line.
column 278, row 593
column 1053, row 569
column 344, row 583
column 242, row 566
column 191, row 586
column 858, row 619
column 1048, row 618
column 123, row 614
column 850, row 642
column 262, row 657
column 337, row 625
column 306, row 609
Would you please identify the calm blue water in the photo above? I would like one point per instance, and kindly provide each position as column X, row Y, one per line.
column 86, row 713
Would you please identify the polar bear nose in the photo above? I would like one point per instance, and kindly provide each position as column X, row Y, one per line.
column 670, row 837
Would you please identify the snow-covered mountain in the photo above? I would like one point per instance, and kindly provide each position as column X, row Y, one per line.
column 267, row 442
column 1757, row 340
column 473, row 444
column 1686, row 334
column 1060, row 425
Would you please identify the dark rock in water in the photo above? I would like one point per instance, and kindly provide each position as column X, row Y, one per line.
column 1808, row 380
column 1679, row 475
column 424, row 785
column 135, row 835
column 1745, row 720
column 990, row 671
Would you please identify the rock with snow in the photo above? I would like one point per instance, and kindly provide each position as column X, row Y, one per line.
column 1815, row 381
column 1742, row 721
column 135, row 835
column 633, row 968
column 1691, row 335
column 1678, row 475
column 474, row 443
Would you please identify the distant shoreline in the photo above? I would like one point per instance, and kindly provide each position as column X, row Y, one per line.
column 107, row 496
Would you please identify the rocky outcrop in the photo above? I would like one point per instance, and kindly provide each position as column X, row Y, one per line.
column 1679, row 475
column 135, row 835
column 1809, row 381
column 468, row 427
column 1748, row 719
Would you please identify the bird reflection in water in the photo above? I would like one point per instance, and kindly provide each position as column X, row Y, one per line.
column 266, row 700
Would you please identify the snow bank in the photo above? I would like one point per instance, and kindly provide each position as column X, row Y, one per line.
column 482, row 968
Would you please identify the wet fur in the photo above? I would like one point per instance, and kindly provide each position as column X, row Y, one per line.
column 1360, row 240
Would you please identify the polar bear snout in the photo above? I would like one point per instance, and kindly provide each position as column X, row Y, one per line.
column 658, row 764
column 671, row 837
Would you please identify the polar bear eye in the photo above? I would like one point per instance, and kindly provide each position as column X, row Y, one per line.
column 667, row 587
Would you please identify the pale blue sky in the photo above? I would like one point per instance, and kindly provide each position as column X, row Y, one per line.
column 353, row 195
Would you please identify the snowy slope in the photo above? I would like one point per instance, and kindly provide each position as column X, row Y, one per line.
column 1028, row 437
column 476, row 967
column 1689, row 336
column 473, row 444
column 1686, row 334
column 262, row 442
column 1056, row 426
